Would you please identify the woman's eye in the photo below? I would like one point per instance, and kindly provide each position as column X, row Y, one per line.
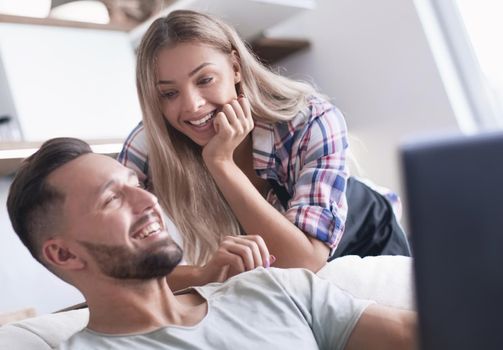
column 206, row 80
column 168, row 94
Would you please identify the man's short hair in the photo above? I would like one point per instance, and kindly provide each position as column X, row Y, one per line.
column 34, row 206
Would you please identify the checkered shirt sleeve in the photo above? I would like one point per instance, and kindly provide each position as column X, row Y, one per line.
column 318, row 205
column 134, row 154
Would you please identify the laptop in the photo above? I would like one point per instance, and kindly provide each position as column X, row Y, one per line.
column 454, row 191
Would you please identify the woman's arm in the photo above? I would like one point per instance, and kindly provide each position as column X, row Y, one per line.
column 287, row 242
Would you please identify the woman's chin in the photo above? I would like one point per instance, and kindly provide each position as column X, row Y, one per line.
column 202, row 139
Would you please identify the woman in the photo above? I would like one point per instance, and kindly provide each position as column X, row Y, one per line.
column 223, row 136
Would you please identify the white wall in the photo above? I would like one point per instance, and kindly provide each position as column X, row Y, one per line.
column 373, row 59
column 24, row 282
column 68, row 81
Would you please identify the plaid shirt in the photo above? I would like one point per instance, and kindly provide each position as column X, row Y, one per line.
column 306, row 155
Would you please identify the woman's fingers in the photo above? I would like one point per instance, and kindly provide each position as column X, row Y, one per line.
column 238, row 254
column 243, row 112
column 232, row 124
column 221, row 123
column 258, row 258
column 232, row 116
column 227, row 257
column 238, row 114
column 243, row 250
column 251, row 249
column 259, row 249
column 245, row 106
column 238, row 111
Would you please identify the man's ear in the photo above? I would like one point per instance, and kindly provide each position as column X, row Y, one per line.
column 236, row 66
column 58, row 253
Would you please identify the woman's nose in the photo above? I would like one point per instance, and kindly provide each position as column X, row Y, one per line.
column 192, row 101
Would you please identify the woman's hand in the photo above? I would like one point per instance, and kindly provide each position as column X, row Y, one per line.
column 236, row 254
column 232, row 124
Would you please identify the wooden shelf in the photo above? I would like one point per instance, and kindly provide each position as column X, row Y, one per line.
column 272, row 50
column 13, row 153
column 60, row 23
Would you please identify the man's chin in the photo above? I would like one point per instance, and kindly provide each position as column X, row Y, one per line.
column 156, row 260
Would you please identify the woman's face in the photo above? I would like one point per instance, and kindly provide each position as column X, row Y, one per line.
column 194, row 81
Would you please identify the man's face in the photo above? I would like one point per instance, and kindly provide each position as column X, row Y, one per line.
column 111, row 222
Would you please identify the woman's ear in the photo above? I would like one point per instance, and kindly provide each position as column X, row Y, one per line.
column 60, row 255
column 236, row 66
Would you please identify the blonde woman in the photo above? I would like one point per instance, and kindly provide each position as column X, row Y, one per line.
column 221, row 137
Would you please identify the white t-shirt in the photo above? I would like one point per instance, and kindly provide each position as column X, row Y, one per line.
column 261, row 309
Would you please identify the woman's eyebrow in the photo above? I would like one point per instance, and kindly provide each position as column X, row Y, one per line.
column 192, row 72
column 198, row 68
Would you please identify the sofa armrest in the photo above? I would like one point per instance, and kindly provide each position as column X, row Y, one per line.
column 43, row 332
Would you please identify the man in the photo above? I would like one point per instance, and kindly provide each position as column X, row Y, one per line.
column 85, row 217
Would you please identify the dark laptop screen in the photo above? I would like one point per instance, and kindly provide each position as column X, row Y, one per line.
column 454, row 191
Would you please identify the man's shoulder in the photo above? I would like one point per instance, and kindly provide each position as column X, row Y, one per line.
column 83, row 340
column 88, row 339
column 268, row 279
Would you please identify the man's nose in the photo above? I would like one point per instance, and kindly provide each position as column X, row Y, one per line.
column 142, row 200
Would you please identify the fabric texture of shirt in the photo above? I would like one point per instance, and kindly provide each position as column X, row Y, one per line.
column 306, row 155
column 261, row 309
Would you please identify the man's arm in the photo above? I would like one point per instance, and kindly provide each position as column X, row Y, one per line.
column 340, row 321
column 385, row 328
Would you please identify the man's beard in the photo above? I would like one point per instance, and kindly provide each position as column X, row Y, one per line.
column 122, row 263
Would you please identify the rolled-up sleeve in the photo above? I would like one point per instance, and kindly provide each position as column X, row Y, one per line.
column 318, row 205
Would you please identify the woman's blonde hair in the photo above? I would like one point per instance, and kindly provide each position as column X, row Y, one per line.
column 180, row 179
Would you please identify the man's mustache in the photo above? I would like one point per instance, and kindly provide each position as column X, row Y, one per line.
column 142, row 221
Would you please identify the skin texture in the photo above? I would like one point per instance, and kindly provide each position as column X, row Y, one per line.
column 194, row 81
column 382, row 328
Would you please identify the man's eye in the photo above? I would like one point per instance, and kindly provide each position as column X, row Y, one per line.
column 206, row 80
column 111, row 199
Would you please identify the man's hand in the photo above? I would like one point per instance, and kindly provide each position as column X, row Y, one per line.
column 232, row 124
column 236, row 254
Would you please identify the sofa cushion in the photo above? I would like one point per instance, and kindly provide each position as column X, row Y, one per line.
column 43, row 332
column 386, row 279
